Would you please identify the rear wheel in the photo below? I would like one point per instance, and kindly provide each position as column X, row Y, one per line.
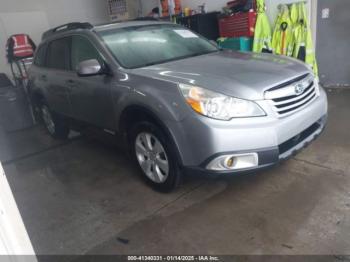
column 54, row 124
column 155, row 156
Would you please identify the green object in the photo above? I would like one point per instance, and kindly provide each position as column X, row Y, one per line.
column 244, row 44
column 303, row 47
column 282, row 40
column 310, row 58
column 262, row 37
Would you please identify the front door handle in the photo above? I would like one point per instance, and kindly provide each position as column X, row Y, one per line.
column 70, row 82
column 43, row 77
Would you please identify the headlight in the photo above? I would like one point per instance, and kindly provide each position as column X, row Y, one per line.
column 219, row 106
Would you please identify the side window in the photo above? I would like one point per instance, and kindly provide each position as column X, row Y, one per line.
column 40, row 56
column 82, row 50
column 58, row 54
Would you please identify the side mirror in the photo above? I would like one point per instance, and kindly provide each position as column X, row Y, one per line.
column 90, row 68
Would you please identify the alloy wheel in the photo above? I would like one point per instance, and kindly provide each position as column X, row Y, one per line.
column 47, row 117
column 152, row 157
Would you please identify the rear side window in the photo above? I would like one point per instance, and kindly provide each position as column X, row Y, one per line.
column 40, row 56
column 58, row 54
column 83, row 49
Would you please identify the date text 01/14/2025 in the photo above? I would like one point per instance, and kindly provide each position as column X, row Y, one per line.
column 173, row 258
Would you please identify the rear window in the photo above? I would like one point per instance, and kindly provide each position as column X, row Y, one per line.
column 58, row 54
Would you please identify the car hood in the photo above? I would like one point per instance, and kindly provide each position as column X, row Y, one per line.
column 242, row 75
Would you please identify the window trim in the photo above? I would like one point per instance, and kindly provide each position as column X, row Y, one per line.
column 70, row 36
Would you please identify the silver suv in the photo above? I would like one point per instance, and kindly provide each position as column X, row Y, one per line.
column 178, row 101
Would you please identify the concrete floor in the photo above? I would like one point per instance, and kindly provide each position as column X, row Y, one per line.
column 83, row 196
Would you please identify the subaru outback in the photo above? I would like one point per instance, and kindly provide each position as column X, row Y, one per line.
column 178, row 101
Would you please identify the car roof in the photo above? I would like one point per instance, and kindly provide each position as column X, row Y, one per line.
column 67, row 29
column 126, row 24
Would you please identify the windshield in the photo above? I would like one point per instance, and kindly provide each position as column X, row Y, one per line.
column 135, row 47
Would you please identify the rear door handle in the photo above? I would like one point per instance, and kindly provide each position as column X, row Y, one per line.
column 70, row 82
column 43, row 77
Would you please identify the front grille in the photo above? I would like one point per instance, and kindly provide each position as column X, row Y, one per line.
column 286, row 99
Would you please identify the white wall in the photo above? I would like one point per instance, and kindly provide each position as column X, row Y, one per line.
column 211, row 5
column 33, row 17
column 18, row 22
column 148, row 5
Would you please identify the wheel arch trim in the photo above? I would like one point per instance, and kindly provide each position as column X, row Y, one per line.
column 122, row 125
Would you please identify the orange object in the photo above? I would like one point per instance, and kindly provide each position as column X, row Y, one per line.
column 284, row 27
column 194, row 99
column 283, row 43
column 165, row 7
column 196, row 106
column 178, row 8
column 187, row 11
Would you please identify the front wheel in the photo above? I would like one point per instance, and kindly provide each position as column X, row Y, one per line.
column 155, row 156
column 54, row 124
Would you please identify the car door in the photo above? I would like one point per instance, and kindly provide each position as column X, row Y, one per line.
column 90, row 96
column 38, row 72
column 57, row 75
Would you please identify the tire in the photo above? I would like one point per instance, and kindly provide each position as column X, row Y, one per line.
column 54, row 124
column 154, row 156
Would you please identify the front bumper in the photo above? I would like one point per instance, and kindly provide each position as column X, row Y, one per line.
column 271, row 156
column 200, row 139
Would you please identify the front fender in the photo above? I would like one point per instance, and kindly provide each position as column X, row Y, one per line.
column 160, row 97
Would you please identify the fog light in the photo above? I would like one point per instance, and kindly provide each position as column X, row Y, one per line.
column 234, row 162
column 230, row 162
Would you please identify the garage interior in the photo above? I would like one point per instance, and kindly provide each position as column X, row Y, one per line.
column 84, row 196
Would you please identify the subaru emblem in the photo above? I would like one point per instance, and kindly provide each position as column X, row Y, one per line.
column 299, row 89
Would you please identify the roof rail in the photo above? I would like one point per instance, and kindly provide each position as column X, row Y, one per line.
column 130, row 20
column 66, row 27
column 145, row 19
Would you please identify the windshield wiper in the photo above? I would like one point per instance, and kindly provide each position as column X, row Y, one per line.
column 203, row 53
